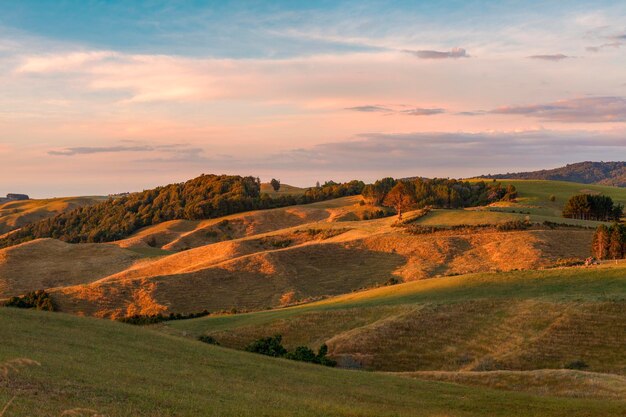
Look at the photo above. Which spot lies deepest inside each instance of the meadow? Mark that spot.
(85, 366)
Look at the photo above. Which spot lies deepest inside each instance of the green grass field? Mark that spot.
(96, 367)
(517, 321)
(534, 195)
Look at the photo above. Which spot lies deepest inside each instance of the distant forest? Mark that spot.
(605, 173)
(205, 197)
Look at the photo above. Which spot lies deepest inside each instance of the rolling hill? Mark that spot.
(53, 364)
(605, 173)
(268, 258)
(15, 214)
(514, 321)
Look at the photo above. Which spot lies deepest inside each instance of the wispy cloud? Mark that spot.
(369, 109)
(578, 110)
(550, 57)
(398, 109)
(422, 112)
(433, 153)
(598, 48)
(176, 148)
(430, 54)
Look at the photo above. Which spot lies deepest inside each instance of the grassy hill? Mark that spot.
(49, 263)
(15, 214)
(285, 189)
(523, 320)
(81, 366)
(259, 259)
(606, 173)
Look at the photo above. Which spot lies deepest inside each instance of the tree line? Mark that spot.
(205, 197)
(403, 195)
(592, 207)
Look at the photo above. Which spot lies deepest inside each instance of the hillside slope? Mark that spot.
(306, 262)
(49, 263)
(606, 173)
(95, 367)
(15, 214)
(268, 258)
(508, 321)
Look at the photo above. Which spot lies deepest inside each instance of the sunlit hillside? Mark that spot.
(15, 214)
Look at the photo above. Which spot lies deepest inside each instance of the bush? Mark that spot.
(269, 346)
(144, 319)
(392, 281)
(578, 365)
(302, 354)
(208, 339)
(272, 346)
(39, 300)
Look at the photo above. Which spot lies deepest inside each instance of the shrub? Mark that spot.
(269, 346)
(392, 281)
(272, 346)
(144, 319)
(302, 354)
(577, 364)
(39, 300)
(306, 354)
(208, 339)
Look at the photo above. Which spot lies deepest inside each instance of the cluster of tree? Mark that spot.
(272, 346)
(439, 192)
(331, 189)
(609, 242)
(207, 196)
(511, 225)
(39, 300)
(607, 173)
(592, 207)
(144, 319)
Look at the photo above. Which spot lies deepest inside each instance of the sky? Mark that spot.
(100, 97)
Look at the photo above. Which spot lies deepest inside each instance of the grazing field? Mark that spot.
(49, 263)
(96, 367)
(535, 195)
(557, 382)
(284, 189)
(523, 320)
(270, 258)
(15, 214)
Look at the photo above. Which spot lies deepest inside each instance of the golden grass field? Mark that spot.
(251, 260)
(15, 214)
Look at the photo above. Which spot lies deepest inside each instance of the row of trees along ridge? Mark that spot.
(403, 195)
(208, 196)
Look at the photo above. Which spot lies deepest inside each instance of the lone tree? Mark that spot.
(401, 197)
(275, 184)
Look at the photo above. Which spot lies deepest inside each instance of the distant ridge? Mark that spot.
(588, 172)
